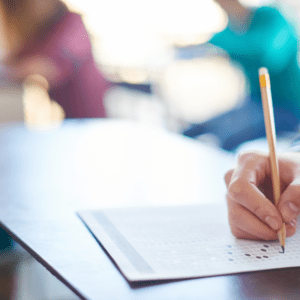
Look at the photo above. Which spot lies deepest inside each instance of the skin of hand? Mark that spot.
(251, 212)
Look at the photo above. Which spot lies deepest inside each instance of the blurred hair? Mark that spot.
(26, 21)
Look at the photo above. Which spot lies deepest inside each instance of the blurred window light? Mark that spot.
(136, 33)
(181, 17)
(189, 17)
(133, 76)
(185, 40)
(256, 3)
(199, 89)
(132, 49)
(132, 58)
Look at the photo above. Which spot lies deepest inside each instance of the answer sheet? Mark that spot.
(176, 242)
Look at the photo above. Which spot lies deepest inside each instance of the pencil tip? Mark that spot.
(282, 249)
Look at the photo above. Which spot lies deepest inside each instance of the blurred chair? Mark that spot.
(242, 124)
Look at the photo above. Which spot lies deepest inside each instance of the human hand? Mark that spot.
(252, 214)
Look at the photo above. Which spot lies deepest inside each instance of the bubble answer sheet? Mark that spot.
(177, 242)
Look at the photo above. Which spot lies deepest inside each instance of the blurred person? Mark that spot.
(45, 38)
(255, 38)
(263, 37)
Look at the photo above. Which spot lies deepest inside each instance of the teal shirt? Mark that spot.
(271, 42)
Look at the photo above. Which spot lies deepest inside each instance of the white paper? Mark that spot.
(155, 243)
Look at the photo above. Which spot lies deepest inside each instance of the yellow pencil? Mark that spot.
(265, 87)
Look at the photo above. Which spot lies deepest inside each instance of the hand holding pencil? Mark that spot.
(265, 86)
(264, 190)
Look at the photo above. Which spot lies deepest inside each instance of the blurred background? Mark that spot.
(163, 71)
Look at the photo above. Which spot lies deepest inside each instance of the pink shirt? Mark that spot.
(79, 87)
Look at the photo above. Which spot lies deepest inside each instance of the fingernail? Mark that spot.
(293, 207)
(289, 211)
(272, 222)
